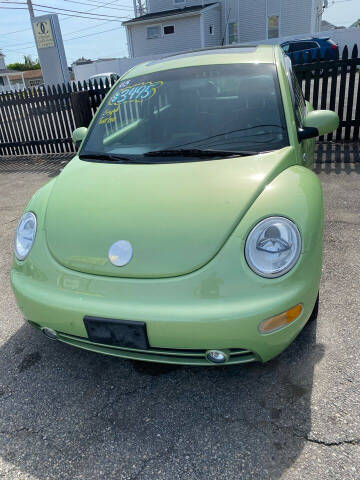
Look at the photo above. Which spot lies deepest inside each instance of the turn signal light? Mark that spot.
(279, 321)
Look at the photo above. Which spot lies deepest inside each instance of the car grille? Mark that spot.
(167, 355)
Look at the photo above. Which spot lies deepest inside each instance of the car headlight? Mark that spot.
(25, 235)
(273, 247)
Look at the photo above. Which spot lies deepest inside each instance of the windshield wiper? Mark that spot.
(195, 152)
(103, 156)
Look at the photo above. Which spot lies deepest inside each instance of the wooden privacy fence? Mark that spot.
(36, 121)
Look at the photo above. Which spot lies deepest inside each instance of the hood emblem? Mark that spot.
(120, 253)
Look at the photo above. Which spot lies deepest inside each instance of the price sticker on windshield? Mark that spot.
(135, 93)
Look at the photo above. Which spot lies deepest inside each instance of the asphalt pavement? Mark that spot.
(67, 414)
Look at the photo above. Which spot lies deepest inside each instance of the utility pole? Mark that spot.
(140, 8)
(31, 10)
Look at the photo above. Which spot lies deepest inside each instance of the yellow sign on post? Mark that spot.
(43, 34)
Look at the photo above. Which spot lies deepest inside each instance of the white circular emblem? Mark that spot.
(120, 253)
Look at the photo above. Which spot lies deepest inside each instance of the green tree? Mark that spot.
(28, 64)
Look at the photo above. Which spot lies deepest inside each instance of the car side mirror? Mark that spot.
(78, 136)
(317, 123)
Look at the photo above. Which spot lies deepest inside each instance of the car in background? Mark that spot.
(111, 77)
(315, 46)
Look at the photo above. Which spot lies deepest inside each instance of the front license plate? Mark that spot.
(119, 333)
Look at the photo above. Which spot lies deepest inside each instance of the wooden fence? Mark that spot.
(37, 121)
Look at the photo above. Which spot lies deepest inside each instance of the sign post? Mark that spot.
(50, 49)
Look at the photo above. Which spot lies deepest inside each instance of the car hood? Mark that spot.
(176, 216)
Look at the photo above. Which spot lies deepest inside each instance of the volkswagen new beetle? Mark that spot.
(188, 228)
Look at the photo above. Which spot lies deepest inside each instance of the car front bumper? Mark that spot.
(217, 307)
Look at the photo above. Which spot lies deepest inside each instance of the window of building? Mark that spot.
(233, 33)
(153, 32)
(211, 29)
(2, 83)
(35, 82)
(273, 26)
(169, 29)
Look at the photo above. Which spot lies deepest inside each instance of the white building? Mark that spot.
(9, 79)
(180, 25)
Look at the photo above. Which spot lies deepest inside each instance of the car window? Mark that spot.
(286, 48)
(296, 93)
(312, 45)
(296, 47)
(228, 107)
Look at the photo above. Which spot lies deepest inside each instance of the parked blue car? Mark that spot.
(314, 45)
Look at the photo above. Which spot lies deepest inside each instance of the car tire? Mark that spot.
(315, 311)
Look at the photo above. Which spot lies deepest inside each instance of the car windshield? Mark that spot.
(232, 108)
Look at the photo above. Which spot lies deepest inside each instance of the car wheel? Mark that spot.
(315, 311)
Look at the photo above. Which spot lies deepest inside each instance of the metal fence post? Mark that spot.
(81, 108)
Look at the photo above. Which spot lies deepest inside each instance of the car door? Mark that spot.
(301, 108)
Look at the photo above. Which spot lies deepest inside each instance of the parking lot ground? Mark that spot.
(74, 415)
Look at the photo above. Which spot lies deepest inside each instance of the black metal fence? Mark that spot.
(41, 121)
(334, 84)
(37, 121)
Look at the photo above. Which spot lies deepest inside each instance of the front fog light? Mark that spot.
(273, 247)
(279, 321)
(25, 235)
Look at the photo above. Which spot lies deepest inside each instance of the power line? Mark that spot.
(63, 9)
(67, 39)
(92, 34)
(78, 11)
(76, 16)
(64, 14)
(68, 18)
(101, 6)
(68, 15)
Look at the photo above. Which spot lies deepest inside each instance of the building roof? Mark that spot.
(29, 74)
(167, 13)
(325, 25)
(5, 71)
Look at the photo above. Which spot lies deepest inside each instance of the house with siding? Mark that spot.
(179, 25)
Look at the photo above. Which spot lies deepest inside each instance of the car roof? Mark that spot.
(210, 56)
(309, 39)
(102, 74)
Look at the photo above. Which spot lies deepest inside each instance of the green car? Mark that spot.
(188, 228)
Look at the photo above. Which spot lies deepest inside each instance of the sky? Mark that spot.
(17, 40)
(342, 12)
(100, 36)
